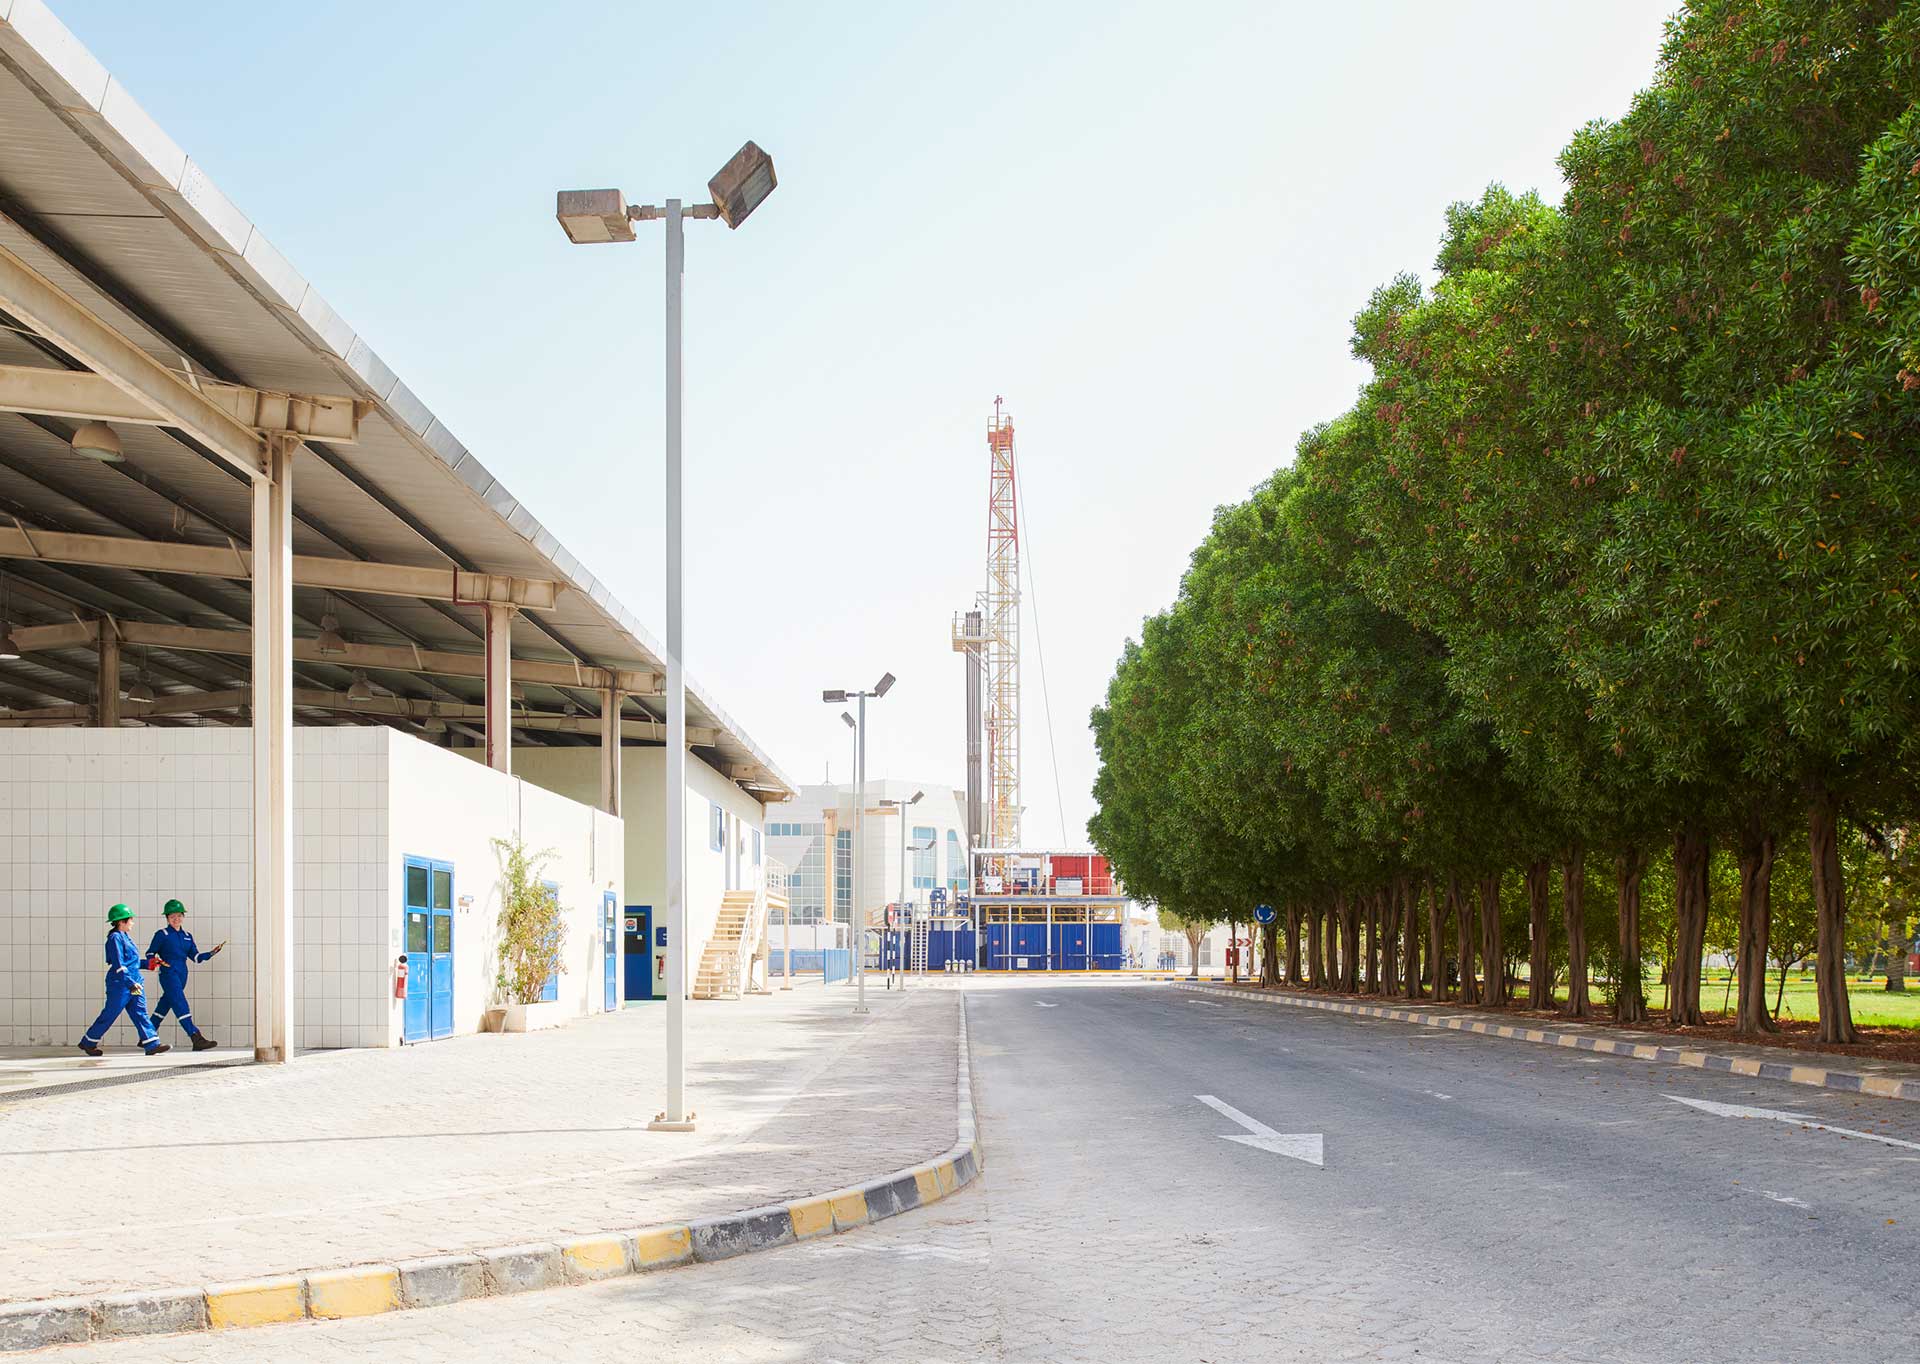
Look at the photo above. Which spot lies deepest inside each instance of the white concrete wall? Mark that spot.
(575, 773)
(90, 817)
(449, 809)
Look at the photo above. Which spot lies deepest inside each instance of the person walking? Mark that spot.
(172, 949)
(124, 991)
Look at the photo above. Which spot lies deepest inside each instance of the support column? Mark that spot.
(273, 756)
(499, 670)
(610, 751)
(106, 694)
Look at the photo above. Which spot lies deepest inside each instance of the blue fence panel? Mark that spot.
(835, 963)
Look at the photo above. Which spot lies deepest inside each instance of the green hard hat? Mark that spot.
(174, 907)
(117, 913)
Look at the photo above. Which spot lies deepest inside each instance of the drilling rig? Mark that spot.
(989, 635)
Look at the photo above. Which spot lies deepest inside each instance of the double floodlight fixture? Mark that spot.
(592, 216)
(835, 696)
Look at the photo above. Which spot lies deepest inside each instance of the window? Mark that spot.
(807, 890)
(956, 865)
(756, 847)
(716, 828)
(843, 875)
(925, 851)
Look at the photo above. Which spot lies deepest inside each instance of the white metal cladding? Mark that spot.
(96, 197)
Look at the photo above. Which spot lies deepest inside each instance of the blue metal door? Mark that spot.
(442, 950)
(417, 905)
(1069, 947)
(1029, 947)
(638, 954)
(427, 902)
(610, 947)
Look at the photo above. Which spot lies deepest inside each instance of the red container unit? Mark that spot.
(1089, 869)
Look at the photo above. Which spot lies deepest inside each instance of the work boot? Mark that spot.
(157, 1048)
(90, 1049)
(201, 1042)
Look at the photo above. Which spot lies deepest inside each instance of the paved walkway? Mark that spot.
(465, 1144)
(1822, 1070)
(1481, 1203)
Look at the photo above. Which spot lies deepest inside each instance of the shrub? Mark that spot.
(531, 930)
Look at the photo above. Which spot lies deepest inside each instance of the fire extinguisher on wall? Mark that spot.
(400, 978)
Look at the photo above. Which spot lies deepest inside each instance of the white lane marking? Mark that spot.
(1806, 1120)
(1042, 1005)
(1307, 1146)
(1436, 1094)
(1203, 1003)
(1791, 1202)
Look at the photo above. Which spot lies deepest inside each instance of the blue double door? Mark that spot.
(428, 906)
(610, 951)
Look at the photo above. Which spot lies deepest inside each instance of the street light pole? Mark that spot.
(903, 806)
(591, 217)
(839, 696)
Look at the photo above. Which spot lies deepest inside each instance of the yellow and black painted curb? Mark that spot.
(1820, 1077)
(370, 1289)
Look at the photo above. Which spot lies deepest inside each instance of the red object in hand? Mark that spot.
(152, 964)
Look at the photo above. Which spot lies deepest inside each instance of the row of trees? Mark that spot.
(1612, 564)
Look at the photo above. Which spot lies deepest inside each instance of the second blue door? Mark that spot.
(429, 935)
(610, 949)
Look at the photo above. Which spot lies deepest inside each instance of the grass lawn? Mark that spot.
(1872, 1005)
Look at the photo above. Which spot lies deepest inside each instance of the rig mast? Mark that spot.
(1002, 629)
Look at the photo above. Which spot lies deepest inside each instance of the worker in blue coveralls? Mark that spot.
(124, 991)
(172, 949)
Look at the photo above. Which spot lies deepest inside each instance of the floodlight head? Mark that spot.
(360, 689)
(592, 216)
(140, 693)
(844, 715)
(742, 184)
(98, 441)
(915, 800)
(834, 696)
(884, 685)
(330, 641)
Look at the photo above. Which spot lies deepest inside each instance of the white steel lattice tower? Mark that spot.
(1002, 629)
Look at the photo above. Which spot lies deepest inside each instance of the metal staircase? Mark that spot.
(739, 938)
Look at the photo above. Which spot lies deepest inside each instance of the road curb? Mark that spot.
(1817, 1077)
(437, 1281)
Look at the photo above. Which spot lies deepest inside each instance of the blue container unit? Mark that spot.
(943, 945)
(1024, 947)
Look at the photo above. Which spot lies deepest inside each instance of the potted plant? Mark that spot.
(531, 938)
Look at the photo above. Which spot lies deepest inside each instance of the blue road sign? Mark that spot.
(1263, 913)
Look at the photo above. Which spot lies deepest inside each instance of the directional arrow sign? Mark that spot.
(1806, 1120)
(1305, 1146)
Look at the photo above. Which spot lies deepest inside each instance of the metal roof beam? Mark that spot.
(78, 395)
(61, 319)
(231, 561)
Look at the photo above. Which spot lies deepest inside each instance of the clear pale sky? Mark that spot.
(1148, 226)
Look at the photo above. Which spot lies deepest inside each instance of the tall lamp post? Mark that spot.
(590, 217)
(853, 761)
(839, 697)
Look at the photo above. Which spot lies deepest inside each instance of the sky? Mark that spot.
(1147, 227)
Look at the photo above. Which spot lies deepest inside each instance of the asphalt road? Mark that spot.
(1481, 1199)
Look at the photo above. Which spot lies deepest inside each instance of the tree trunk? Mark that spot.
(1269, 956)
(1573, 910)
(1390, 942)
(1462, 942)
(1830, 905)
(1193, 952)
(1293, 944)
(1756, 853)
(1436, 950)
(1540, 940)
(1410, 976)
(1493, 942)
(1629, 995)
(1316, 958)
(1691, 849)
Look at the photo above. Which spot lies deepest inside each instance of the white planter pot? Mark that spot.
(531, 1017)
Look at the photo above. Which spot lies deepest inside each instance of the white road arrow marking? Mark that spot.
(1306, 1146)
(1046, 1006)
(1806, 1120)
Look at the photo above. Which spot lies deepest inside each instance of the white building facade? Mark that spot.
(912, 847)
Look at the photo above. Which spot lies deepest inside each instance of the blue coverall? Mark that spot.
(175, 947)
(123, 975)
